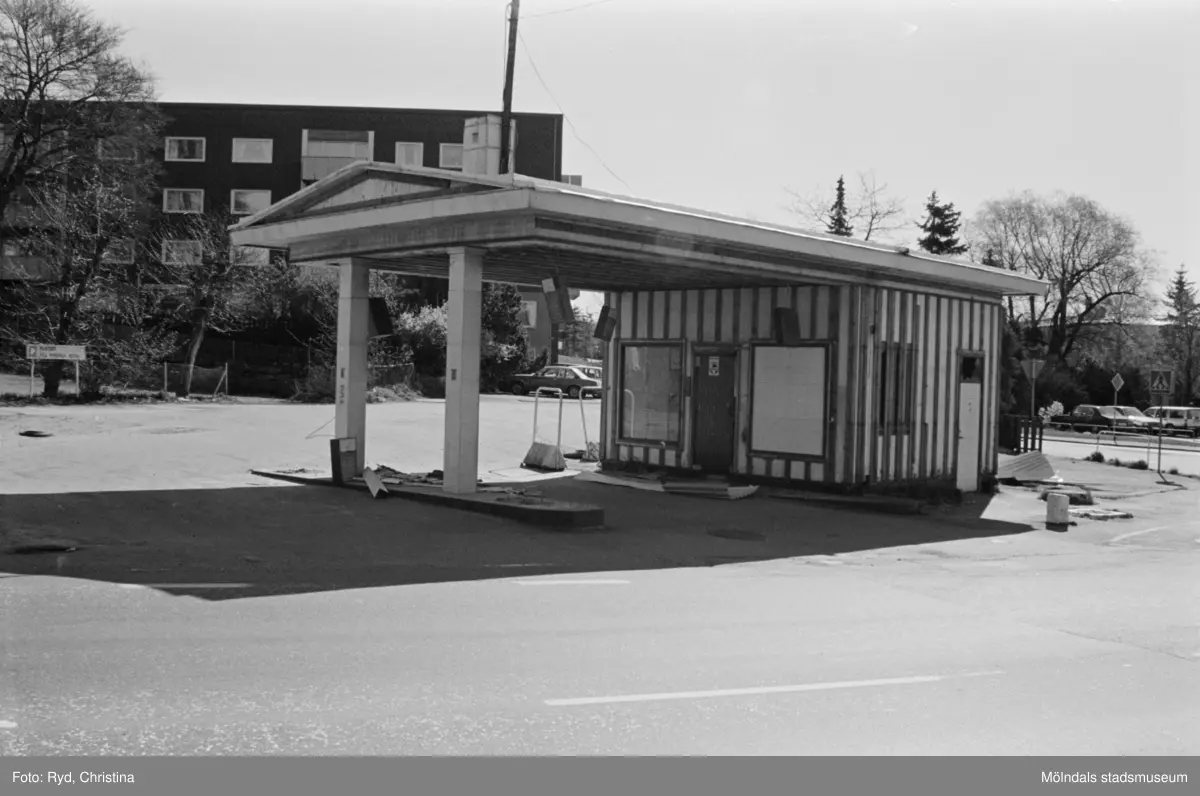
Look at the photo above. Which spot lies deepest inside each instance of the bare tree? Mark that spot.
(63, 89)
(870, 209)
(82, 226)
(1092, 259)
(219, 285)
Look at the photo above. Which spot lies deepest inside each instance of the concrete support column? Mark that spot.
(353, 319)
(463, 328)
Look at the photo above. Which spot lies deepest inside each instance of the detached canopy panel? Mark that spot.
(788, 411)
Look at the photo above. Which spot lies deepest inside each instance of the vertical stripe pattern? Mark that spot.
(891, 418)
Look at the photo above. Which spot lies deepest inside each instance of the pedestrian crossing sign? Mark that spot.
(1161, 382)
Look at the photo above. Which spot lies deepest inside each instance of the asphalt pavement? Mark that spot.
(1028, 644)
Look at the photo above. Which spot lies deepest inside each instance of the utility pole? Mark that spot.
(506, 115)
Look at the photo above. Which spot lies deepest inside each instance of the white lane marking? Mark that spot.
(778, 689)
(8, 725)
(570, 582)
(184, 585)
(1132, 534)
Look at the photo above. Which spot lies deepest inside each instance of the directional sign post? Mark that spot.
(1032, 368)
(1162, 384)
(1117, 383)
(68, 353)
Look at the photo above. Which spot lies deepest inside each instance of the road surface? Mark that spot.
(1019, 645)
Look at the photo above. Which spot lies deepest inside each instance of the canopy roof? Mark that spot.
(407, 218)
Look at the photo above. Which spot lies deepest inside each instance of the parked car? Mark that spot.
(1088, 417)
(572, 380)
(1138, 419)
(1175, 419)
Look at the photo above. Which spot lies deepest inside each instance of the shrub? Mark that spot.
(1140, 464)
(1096, 456)
(1115, 462)
(1173, 471)
(1047, 412)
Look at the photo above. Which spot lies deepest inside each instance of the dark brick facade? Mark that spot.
(538, 151)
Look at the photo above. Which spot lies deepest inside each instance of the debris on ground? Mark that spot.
(1077, 494)
(1027, 467)
(1101, 514)
(374, 482)
(711, 489)
(34, 433)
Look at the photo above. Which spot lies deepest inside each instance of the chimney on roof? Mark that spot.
(481, 145)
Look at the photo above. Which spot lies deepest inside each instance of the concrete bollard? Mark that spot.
(1058, 509)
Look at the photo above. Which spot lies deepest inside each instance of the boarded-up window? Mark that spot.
(897, 388)
(788, 412)
(651, 392)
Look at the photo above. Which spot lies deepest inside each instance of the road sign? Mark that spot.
(1032, 367)
(714, 366)
(1162, 382)
(70, 353)
(1118, 382)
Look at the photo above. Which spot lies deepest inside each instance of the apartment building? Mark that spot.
(245, 157)
(242, 158)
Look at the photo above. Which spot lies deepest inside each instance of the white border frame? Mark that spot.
(167, 148)
(233, 211)
(233, 150)
(183, 212)
(420, 156)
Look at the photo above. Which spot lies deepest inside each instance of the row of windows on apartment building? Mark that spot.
(189, 149)
(172, 252)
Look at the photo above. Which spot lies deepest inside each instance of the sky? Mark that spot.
(729, 106)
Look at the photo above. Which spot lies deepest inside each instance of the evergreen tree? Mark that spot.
(941, 228)
(837, 223)
(1181, 334)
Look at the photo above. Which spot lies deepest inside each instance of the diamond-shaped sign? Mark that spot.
(1118, 382)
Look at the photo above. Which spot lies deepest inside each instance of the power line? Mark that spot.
(566, 118)
(568, 10)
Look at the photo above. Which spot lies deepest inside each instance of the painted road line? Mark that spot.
(596, 582)
(777, 689)
(1132, 534)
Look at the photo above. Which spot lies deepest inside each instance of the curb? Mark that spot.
(554, 514)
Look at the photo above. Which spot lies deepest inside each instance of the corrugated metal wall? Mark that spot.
(856, 322)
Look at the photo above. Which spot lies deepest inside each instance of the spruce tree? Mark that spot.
(941, 228)
(1181, 334)
(837, 223)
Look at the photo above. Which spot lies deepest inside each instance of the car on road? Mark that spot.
(1176, 419)
(1138, 419)
(573, 380)
(1089, 417)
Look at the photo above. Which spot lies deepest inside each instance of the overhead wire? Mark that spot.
(568, 10)
(537, 73)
